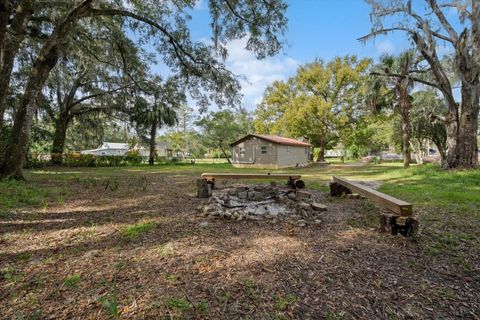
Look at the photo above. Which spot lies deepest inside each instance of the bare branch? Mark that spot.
(443, 20)
(401, 76)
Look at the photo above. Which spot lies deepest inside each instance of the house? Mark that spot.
(164, 149)
(269, 151)
(114, 149)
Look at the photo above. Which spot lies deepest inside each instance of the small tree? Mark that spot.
(158, 110)
(395, 73)
(317, 103)
(221, 128)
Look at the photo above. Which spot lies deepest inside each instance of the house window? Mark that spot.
(242, 152)
(263, 149)
(306, 150)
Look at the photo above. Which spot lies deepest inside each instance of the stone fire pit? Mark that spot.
(260, 202)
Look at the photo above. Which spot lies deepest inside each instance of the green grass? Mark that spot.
(137, 229)
(72, 280)
(178, 303)
(18, 193)
(282, 302)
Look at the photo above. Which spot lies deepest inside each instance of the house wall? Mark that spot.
(277, 156)
(253, 155)
(290, 156)
(106, 152)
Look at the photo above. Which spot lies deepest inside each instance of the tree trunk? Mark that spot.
(153, 135)
(467, 149)
(226, 156)
(10, 42)
(405, 110)
(321, 154)
(61, 125)
(16, 152)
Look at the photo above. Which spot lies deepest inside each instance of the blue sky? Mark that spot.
(316, 29)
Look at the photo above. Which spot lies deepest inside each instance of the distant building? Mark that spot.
(164, 149)
(114, 149)
(269, 151)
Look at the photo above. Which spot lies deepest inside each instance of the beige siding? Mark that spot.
(290, 156)
(277, 156)
(253, 153)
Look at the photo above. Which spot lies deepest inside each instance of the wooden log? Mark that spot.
(204, 189)
(395, 205)
(212, 176)
(406, 226)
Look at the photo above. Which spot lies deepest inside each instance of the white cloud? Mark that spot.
(385, 47)
(258, 74)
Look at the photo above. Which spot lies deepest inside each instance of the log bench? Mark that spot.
(400, 217)
(208, 180)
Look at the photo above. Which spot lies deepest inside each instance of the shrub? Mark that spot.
(133, 157)
(75, 159)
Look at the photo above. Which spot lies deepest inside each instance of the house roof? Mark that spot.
(113, 145)
(274, 139)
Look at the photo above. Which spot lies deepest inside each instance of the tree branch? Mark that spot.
(395, 75)
(443, 20)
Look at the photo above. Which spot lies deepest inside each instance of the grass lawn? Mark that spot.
(129, 242)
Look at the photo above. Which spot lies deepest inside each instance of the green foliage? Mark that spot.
(137, 229)
(75, 159)
(10, 274)
(221, 128)
(133, 157)
(72, 280)
(110, 304)
(178, 303)
(34, 315)
(283, 302)
(16, 193)
(202, 306)
(318, 103)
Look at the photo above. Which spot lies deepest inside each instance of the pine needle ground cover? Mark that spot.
(129, 243)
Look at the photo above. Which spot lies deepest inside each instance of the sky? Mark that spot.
(316, 29)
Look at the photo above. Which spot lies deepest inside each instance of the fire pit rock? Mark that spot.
(264, 202)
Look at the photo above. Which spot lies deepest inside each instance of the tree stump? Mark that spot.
(204, 189)
(337, 190)
(406, 226)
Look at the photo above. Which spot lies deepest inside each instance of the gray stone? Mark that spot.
(300, 194)
(243, 195)
(303, 205)
(317, 221)
(232, 191)
(291, 196)
(255, 195)
(301, 223)
(209, 208)
(204, 224)
(319, 207)
(255, 218)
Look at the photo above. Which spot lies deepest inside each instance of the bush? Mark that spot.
(109, 161)
(75, 159)
(133, 157)
(36, 160)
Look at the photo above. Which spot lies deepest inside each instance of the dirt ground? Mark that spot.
(138, 248)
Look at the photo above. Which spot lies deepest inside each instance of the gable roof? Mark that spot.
(114, 145)
(274, 139)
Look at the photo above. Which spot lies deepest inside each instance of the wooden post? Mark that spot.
(204, 190)
(337, 190)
